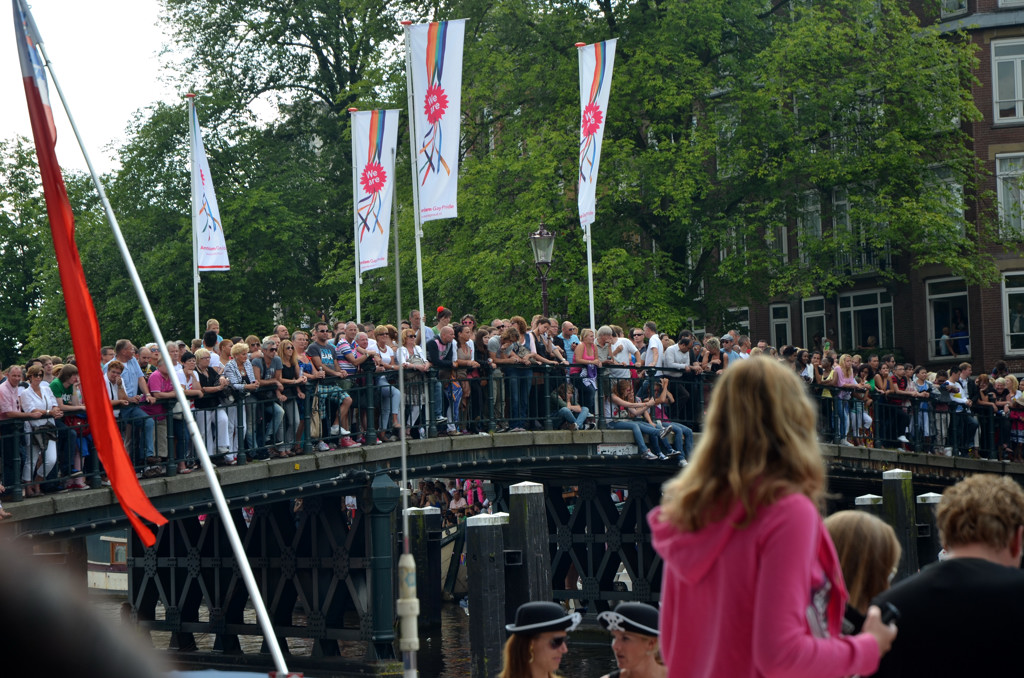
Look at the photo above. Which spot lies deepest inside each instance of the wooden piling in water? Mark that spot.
(528, 534)
(899, 510)
(485, 558)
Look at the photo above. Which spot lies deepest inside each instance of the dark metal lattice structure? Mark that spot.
(319, 565)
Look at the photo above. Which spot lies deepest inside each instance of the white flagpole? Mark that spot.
(428, 413)
(195, 210)
(355, 216)
(197, 438)
(408, 603)
(590, 274)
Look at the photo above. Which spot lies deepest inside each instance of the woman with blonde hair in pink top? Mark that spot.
(751, 583)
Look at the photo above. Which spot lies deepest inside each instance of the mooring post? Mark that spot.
(928, 532)
(425, 547)
(528, 534)
(384, 494)
(485, 558)
(870, 503)
(898, 509)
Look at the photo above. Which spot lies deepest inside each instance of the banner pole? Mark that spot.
(195, 210)
(590, 275)
(238, 550)
(418, 224)
(355, 216)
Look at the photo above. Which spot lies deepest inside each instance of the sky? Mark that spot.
(106, 57)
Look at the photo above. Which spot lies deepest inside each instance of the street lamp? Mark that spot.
(542, 242)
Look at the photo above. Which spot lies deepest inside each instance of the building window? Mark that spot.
(698, 331)
(948, 319)
(1013, 312)
(865, 320)
(808, 224)
(781, 334)
(953, 7)
(1010, 3)
(1009, 172)
(814, 322)
(738, 318)
(1007, 73)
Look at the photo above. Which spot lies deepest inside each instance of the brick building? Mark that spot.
(983, 324)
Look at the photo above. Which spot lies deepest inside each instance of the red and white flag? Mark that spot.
(596, 63)
(434, 57)
(374, 138)
(85, 330)
(209, 231)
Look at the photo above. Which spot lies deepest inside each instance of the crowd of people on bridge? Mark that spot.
(337, 386)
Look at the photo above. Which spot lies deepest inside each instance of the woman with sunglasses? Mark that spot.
(634, 629)
(538, 641)
(293, 379)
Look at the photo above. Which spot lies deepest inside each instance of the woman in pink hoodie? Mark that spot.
(751, 583)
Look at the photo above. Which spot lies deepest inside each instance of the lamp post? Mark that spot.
(542, 242)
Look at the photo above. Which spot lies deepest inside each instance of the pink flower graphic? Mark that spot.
(373, 178)
(435, 103)
(592, 119)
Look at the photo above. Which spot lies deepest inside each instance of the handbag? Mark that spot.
(315, 422)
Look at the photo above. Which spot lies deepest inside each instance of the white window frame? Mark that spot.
(929, 298)
(786, 322)
(808, 222)
(1006, 291)
(960, 8)
(805, 315)
(878, 305)
(1018, 76)
(1010, 224)
(743, 325)
(1011, 3)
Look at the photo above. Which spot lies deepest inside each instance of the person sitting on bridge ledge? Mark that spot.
(959, 616)
(751, 584)
(574, 416)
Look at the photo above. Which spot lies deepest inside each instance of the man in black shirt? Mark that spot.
(962, 616)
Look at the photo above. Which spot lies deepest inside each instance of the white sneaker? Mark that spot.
(846, 443)
(335, 430)
(649, 455)
(322, 446)
(903, 439)
(948, 451)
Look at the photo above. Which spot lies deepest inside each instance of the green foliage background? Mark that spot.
(725, 115)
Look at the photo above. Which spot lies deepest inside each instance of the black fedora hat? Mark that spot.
(632, 618)
(541, 617)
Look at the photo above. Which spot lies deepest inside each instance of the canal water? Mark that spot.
(446, 655)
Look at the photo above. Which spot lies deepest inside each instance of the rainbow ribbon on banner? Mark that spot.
(435, 101)
(588, 149)
(373, 178)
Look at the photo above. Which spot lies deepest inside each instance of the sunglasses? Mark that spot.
(467, 322)
(637, 335)
(558, 642)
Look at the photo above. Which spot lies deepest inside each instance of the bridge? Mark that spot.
(328, 573)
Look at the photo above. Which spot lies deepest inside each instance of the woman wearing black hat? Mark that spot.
(634, 629)
(538, 640)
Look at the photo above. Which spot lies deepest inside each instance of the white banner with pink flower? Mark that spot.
(595, 82)
(435, 60)
(374, 137)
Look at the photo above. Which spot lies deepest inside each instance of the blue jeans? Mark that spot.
(143, 426)
(273, 415)
(639, 428)
(682, 437)
(519, 379)
(573, 418)
(842, 417)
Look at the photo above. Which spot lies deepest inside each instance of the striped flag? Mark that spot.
(435, 60)
(595, 83)
(85, 330)
(374, 138)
